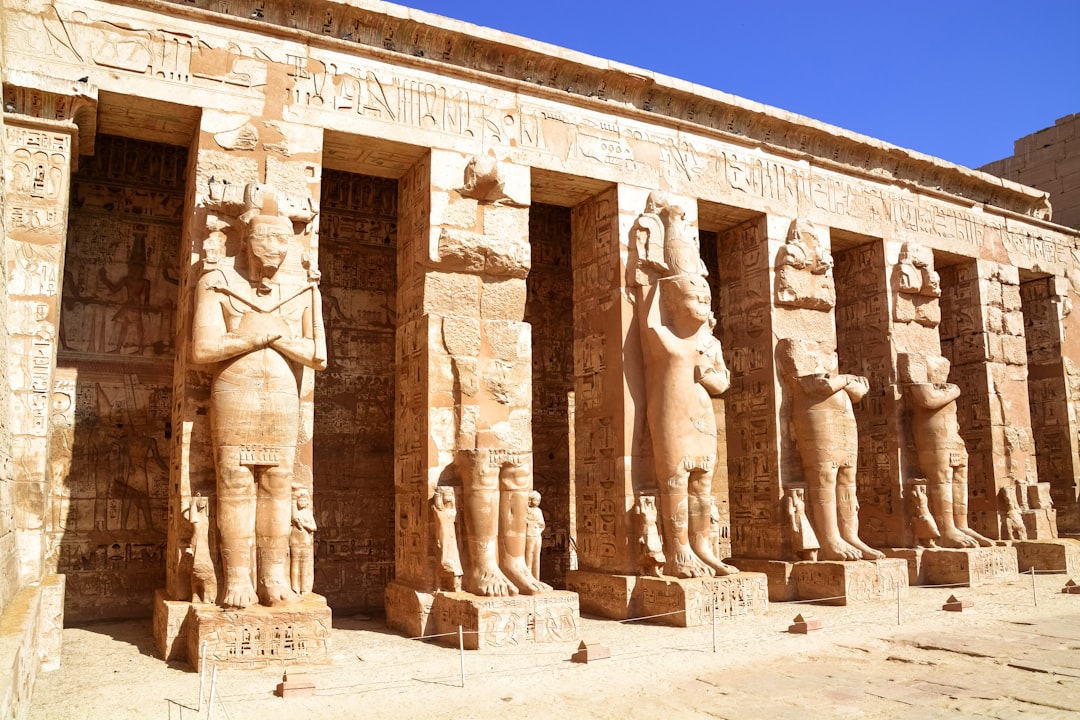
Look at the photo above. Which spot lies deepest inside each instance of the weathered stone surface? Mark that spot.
(692, 602)
(1061, 556)
(967, 566)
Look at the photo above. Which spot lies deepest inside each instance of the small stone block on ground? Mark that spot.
(968, 566)
(491, 622)
(803, 624)
(955, 605)
(689, 602)
(1061, 555)
(260, 636)
(844, 583)
(296, 686)
(1071, 588)
(587, 654)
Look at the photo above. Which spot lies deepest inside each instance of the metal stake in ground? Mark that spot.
(461, 650)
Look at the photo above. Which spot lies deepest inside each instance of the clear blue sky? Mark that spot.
(959, 79)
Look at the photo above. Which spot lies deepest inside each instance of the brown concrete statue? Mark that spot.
(448, 557)
(203, 576)
(684, 368)
(258, 328)
(534, 534)
(302, 544)
(804, 270)
(923, 526)
(827, 438)
(804, 543)
(650, 547)
(941, 451)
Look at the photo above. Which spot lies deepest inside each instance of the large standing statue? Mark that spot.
(684, 369)
(828, 442)
(259, 327)
(941, 451)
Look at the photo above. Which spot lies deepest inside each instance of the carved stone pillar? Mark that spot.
(1052, 330)
(41, 147)
(269, 170)
(982, 332)
(463, 428)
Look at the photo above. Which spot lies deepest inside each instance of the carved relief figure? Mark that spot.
(923, 525)
(444, 518)
(804, 270)
(259, 328)
(941, 451)
(1012, 519)
(684, 370)
(804, 543)
(203, 575)
(534, 534)
(918, 287)
(136, 288)
(650, 548)
(302, 544)
(827, 438)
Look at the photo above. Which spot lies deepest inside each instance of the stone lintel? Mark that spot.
(255, 637)
(843, 583)
(1057, 556)
(487, 622)
(621, 597)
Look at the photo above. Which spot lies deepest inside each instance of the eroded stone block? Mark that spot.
(1048, 555)
(968, 566)
(845, 583)
(689, 603)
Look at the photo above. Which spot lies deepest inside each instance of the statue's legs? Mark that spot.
(682, 562)
(699, 508)
(301, 569)
(515, 482)
(821, 496)
(939, 495)
(236, 526)
(847, 506)
(273, 520)
(480, 491)
(960, 504)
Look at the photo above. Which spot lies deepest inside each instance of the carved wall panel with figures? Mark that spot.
(354, 397)
(549, 308)
(111, 404)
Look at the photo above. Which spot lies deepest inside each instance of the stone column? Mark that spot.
(982, 332)
(1052, 330)
(235, 165)
(464, 405)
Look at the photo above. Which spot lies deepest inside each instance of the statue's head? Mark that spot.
(687, 298)
(201, 502)
(800, 358)
(444, 497)
(937, 369)
(266, 241)
(303, 498)
(534, 499)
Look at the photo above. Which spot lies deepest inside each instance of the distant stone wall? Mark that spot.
(1048, 160)
(9, 556)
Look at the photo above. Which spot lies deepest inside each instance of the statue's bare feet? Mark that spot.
(238, 590)
(980, 539)
(490, 582)
(705, 553)
(519, 575)
(957, 539)
(683, 563)
(867, 552)
(839, 550)
(277, 593)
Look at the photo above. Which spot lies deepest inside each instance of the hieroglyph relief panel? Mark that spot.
(344, 90)
(112, 400)
(354, 397)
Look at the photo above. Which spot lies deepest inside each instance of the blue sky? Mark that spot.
(960, 79)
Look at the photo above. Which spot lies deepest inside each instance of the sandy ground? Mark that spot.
(1004, 658)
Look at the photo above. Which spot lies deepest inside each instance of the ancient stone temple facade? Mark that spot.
(333, 305)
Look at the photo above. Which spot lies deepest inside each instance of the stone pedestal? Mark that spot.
(1062, 556)
(254, 637)
(621, 597)
(486, 622)
(968, 566)
(845, 583)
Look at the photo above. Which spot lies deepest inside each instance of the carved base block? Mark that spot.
(845, 583)
(967, 566)
(1062, 556)
(253, 637)
(689, 603)
(486, 622)
(620, 597)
